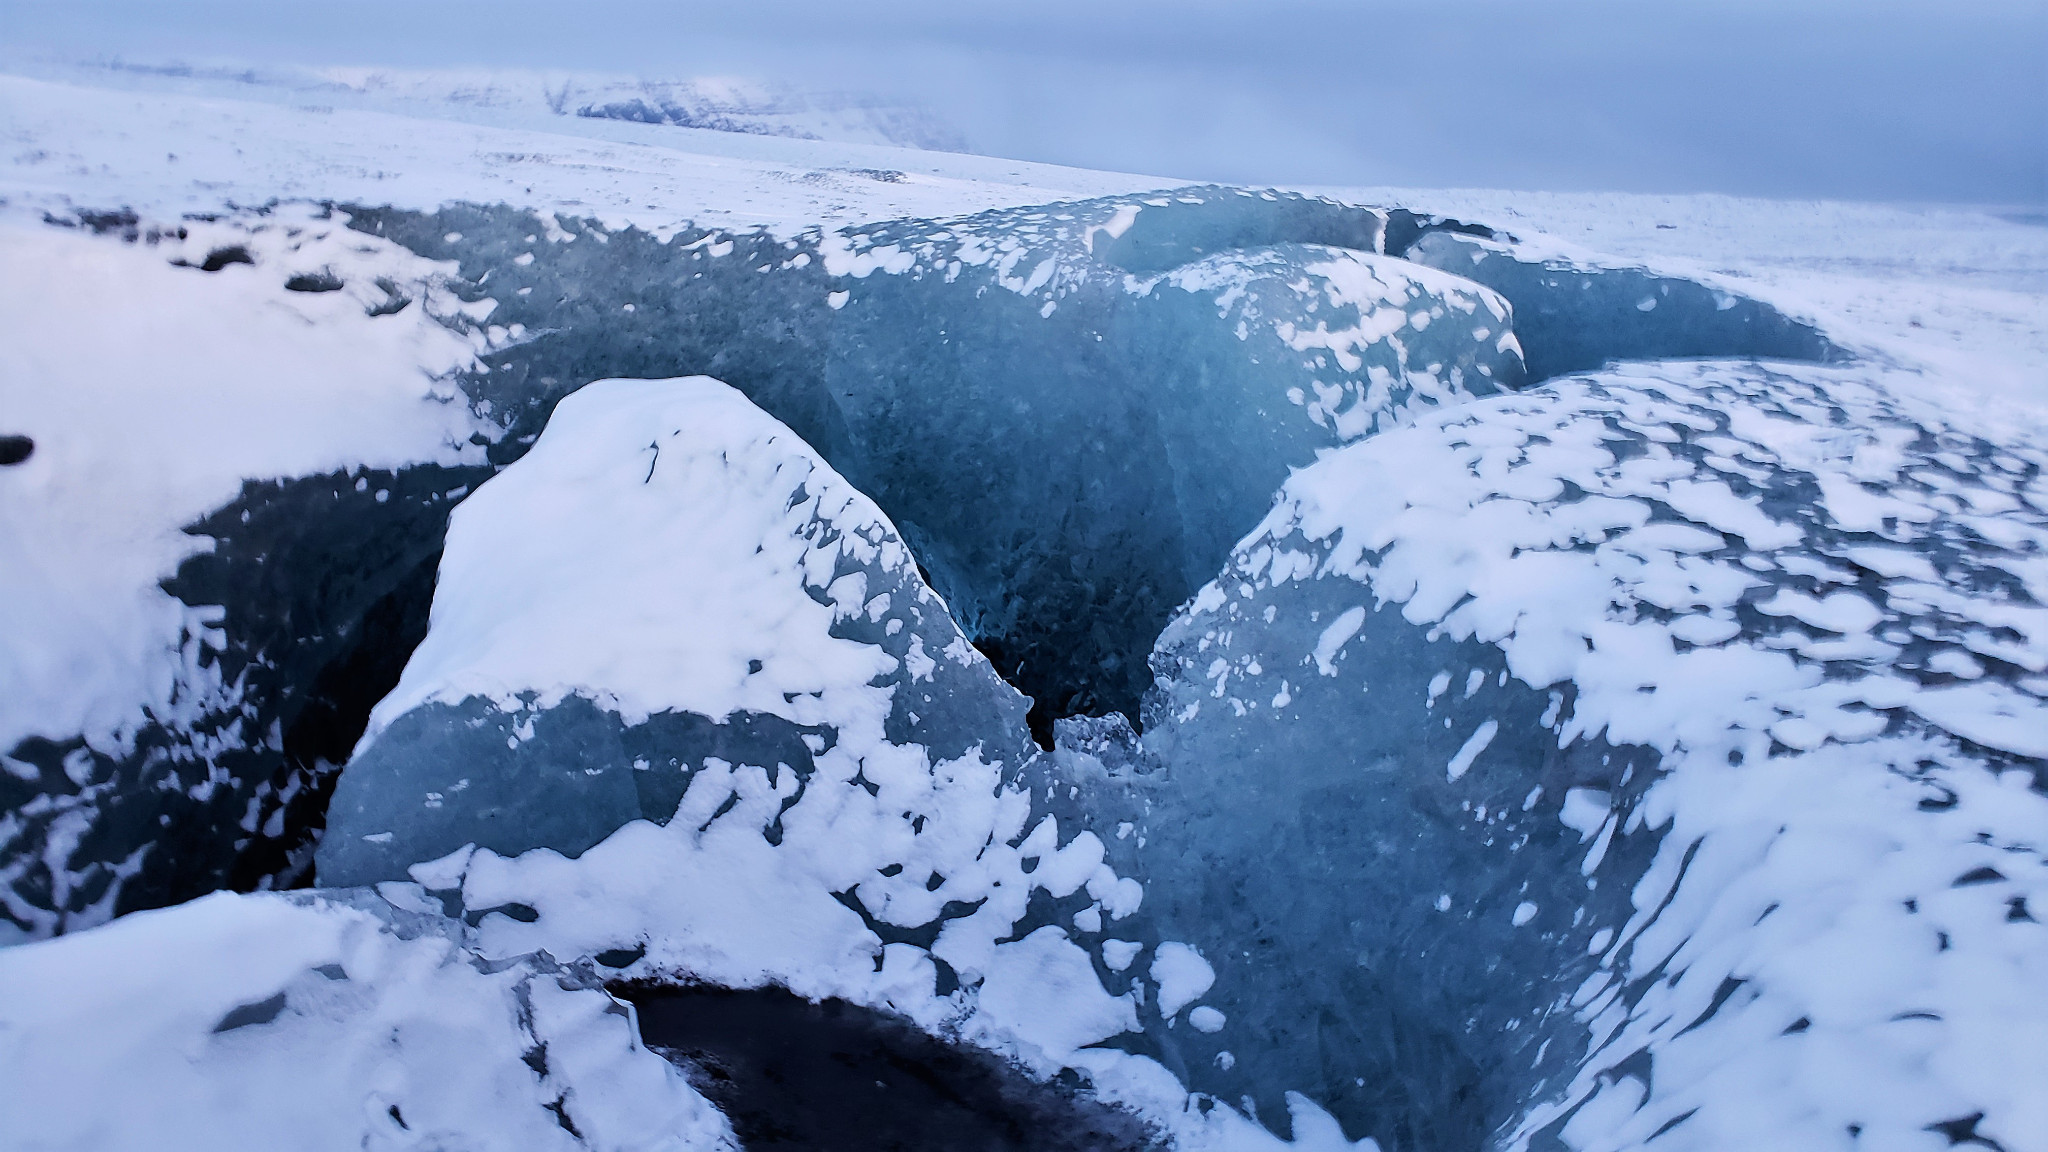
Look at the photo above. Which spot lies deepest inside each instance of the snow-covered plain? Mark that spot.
(1815, 595)
(160, 150)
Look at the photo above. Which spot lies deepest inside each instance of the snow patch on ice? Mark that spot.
(205, 1021)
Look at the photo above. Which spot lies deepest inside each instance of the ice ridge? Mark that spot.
(1563, 767)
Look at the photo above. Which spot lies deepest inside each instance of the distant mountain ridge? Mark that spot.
(716, 103)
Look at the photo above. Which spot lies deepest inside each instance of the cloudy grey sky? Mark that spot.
(1942, 100)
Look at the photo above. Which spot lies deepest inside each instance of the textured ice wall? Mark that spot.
(1113, 390)
(1649, 758)
(1572, 316)
(331, 1021)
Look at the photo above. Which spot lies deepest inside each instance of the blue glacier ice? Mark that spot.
(1573, 316)
(1552, 769)
(1115, 388)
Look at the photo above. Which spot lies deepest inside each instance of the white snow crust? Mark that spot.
(646, 548)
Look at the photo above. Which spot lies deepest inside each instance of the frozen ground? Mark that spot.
(1836, 945)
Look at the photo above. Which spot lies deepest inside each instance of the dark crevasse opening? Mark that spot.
(1047, 711)
(331, 719)
(831, 1076)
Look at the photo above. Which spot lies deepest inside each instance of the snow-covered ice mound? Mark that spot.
(1649, 758)
(669, 596)
(686, 710)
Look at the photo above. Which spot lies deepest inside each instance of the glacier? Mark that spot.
(1572, 318)
(1270, 669)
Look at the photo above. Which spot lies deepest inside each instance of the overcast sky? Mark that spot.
(1865, 99)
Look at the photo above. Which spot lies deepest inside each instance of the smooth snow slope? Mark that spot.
(162, 151)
